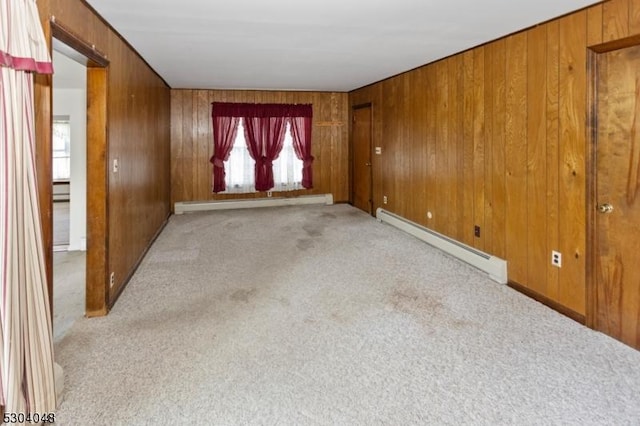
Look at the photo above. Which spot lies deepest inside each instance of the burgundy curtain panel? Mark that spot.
(224, 134)
(264, 127)
(265, 137)
(301, 135)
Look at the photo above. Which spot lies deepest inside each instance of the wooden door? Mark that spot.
(617, 221)
(361, 189)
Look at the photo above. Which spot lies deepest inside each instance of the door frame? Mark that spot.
(591, 170)
(97, 288)
(351, 154)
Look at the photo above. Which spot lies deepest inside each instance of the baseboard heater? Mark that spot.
(250, 203)
(494, 266)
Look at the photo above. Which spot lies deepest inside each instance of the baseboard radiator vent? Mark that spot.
(250, 203)
(494, 266)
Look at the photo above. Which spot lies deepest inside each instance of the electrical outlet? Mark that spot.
(429, 215)
(112, 279)
(269, 194)
(476, 231)
(378, 150)
(556, 258)
(116, 167)
(384, 199)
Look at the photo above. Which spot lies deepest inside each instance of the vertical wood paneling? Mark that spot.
(444, 190)
(479, 136)
(634, 17)
(594, 25)
(553, 154)
(515, 160)
(615, 19)
(467, 220)
(496, 168)
(489, 172)
(503, 143)
(192, 141)
(429, 115)
(572, 183)
(456, 146)
(203, 142)
(536, 159)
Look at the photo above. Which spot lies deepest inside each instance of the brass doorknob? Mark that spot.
(605, 208)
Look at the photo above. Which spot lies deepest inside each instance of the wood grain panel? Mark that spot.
(456, 146)
(192, 141)
(432, 180)
(515, 158)
(444, 191)
(490, 93)
(553, 154)
(97, 260)
(536, 159)
(594, 25)
(572, 179)
(479, 136)
(466, 221)
(496, 168)
(634, 17)
(138, 129)
(615, 19)
(511, 114)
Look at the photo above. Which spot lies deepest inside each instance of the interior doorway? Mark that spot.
(95, 68)
(361, 183)
(69, 166)
(616, 201)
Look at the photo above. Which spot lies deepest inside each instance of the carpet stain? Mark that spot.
(410, 301)
(243, 295)
(232, 225)
(284, 301)
(326, 215)
(304, 244)
(425, 308)
(339, 317)
(313, 230)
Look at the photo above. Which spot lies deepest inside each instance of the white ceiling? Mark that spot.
(336, 45)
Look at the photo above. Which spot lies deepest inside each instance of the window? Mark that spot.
(277, 135)
(239, 169)
(61, 150)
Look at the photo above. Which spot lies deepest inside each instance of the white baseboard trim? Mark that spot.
(495, 267)
(250, 203)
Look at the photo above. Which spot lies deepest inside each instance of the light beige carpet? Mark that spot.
(323, 316)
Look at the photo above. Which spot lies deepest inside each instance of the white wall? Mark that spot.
(73, 103)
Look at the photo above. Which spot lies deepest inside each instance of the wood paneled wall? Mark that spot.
(192, 141)
(496, 137)
(138, 129)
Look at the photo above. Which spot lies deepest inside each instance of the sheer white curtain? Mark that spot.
(239, 169)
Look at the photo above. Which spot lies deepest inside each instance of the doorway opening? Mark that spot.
(69, 167)
(77, 270)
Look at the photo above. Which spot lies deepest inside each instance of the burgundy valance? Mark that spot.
(228, 109)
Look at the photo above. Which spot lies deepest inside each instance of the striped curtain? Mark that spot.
(26, 350)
